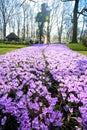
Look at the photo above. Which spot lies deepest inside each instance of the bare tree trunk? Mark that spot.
(75, 21)
(24, 25)
(1, 30)
(13, 25)
(27, 27)
(27, 31)
(60, 29)
(18, 27)
(41, 31)
(48, 33)
(82, 29)
(4, 31)
(6, 12)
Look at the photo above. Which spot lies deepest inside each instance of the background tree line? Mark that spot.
(65, 16)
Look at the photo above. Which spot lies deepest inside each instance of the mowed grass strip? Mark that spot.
(80, 48)
(83, 52)
(4, 48)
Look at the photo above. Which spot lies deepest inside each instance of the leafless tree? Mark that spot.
(76, 14)
(60, 24)
(7, 9)
(54, 13)
(18, 26)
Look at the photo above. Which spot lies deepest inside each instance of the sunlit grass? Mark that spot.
(4, 48)
(11, 45)
(77, 47)
(80, 48)
(83, 52)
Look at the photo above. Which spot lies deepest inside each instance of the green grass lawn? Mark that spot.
(80, 48)
(83, 52)
(4, 48)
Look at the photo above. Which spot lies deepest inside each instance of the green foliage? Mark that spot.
(11, 123)
(25, 88)
(12, 93)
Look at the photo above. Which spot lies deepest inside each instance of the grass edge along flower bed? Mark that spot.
(43, 87)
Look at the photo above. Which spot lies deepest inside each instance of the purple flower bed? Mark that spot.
(43, 87)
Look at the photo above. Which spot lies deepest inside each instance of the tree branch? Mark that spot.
(67, 0)
(25, 1)
(82, 12)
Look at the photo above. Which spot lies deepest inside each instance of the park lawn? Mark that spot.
(83, 52)
(4, 48)
(80, 48)
(77, 47)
